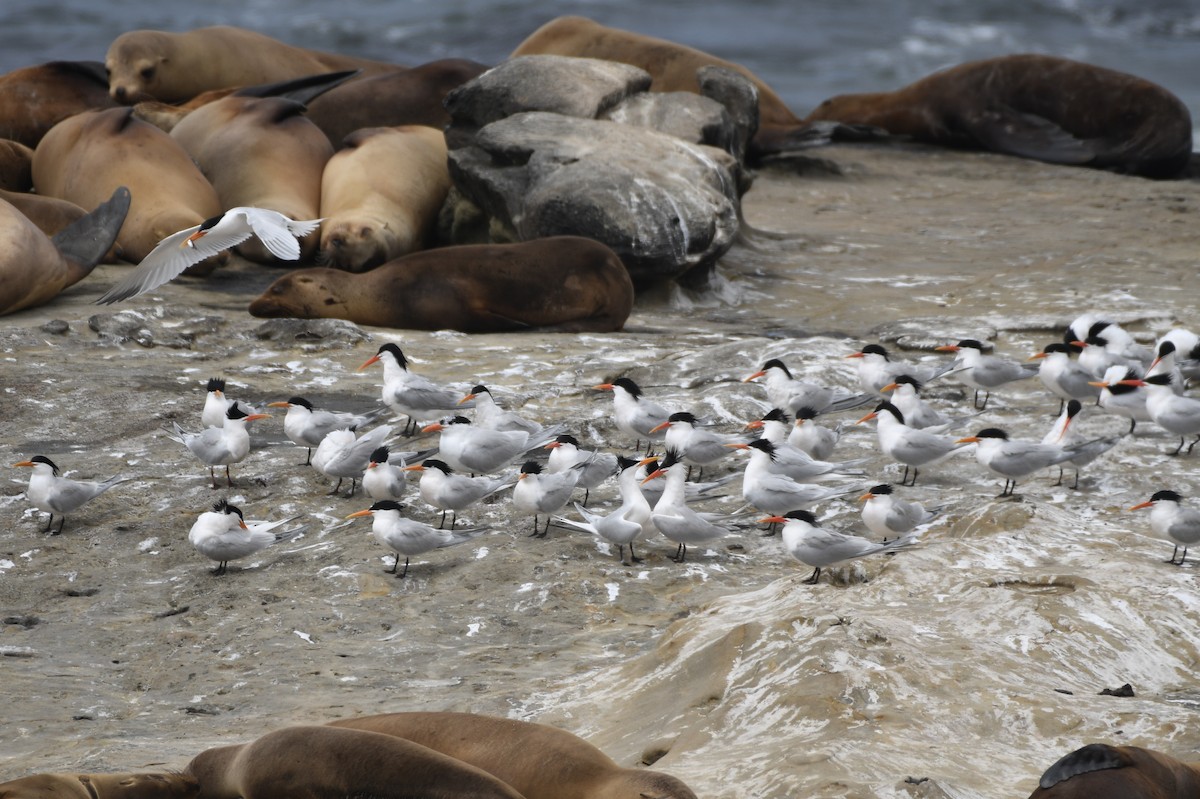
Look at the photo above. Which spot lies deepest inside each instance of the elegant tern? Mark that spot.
(1173, 521)
(307, 427)
(222, 534)
(806, 541)
(634, 415)
(982, 372)
(448, 491)
(50, 492)
(408, 393)
(409, 537)
(220, 446)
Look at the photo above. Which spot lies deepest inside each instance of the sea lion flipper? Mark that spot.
(1007, 130)
(1093, 757)
(86, 240)
(301, 90)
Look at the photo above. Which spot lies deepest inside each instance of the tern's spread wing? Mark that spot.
(274, 230)
(167, 261)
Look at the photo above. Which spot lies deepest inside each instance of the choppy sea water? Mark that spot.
(806, 51)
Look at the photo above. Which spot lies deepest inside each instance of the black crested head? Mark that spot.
(806, 413)
(874, 349)
(628, 385)
(682, 416)
(380, 455)
(223, 506)
(480, 389)
(235, 411)
(762, 445)
(567, 438)
(215, 384)
(301, 401)
(1060, 347)
(672, 457)
(1163, 379)
(1166, 348)
(395, 353)
(802, 515)
(992, 432)
(458, 420)
(908, 380)
(47, 461)
(971, 344)
(210, 223)
(1094, 333)
(652, 465)
(1073, 408)
(531, 467)
(434, 463)
(882, 488)
(776, 415)
(887, 407)
(387, 504)
(624, 463)
(775, 363)
(1167, 495)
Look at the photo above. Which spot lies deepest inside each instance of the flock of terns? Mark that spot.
(788, 467)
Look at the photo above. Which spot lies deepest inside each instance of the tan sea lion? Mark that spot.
(35, 268)
(540, 761)
(174, 67)
(35, 99)
(84, 158)
(381, 194)
(1100, 771)
(260, 152)
(564, 283)
(671, 66)
(1034, 106)
(332, 763)
(101, 786)
(16, 166)
(401, 97)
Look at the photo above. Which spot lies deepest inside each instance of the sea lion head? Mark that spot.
(133, 63)
(303, 294)
(356, 244)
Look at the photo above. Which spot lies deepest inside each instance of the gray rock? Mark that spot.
(327, 333)
(739, 97)
(665, 206)
(577, 87)
(148, 331)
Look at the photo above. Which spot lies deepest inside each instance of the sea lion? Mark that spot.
(381, 194)
(540, 761)
(672, 68)
(101, 786)
(35, 99)
(35, 268)
(401, 97)
(565, 283)
(331, 763)
(259, 152)
(50, 214)
(1100, 771)
(85, 157)
(1034, 106)
(175, 67)
(16, 166)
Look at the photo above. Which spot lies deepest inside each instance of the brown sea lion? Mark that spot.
(671, 66)
(1100, 771)
(35, 99)
(1034, 106)
(35, 268)
(101, 786)
(401, 97)
(260, 152)
(332, 763)
(540, 761)
(564, 283)
(174, 67)
(84, 158)
(16, 166)
(381, 194)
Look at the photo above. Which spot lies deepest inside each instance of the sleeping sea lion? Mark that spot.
(35, 99)
(1100, 771)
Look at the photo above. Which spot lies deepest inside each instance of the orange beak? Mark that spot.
(865, 497)
(256, 416)
(604, 387)
(433, 428)
(653, 474)
(1140, 505)
(867, 418)
(279, 404)
(890, 387)
(754, 376)
(370, 361)
(947, 348)
(416, 467)
(191, 240)
(968, 440)
(1036, 356)
(757, 423)
(773, 520)
(662, 426)
(467, 398)
(24, 463)
(356, 514)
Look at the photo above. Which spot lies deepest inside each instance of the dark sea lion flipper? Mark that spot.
(302, 90)
(86, 240)
(817, 133)
(1093, 757)
(1006, 130)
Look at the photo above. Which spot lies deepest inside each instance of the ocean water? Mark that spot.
(807, 51)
